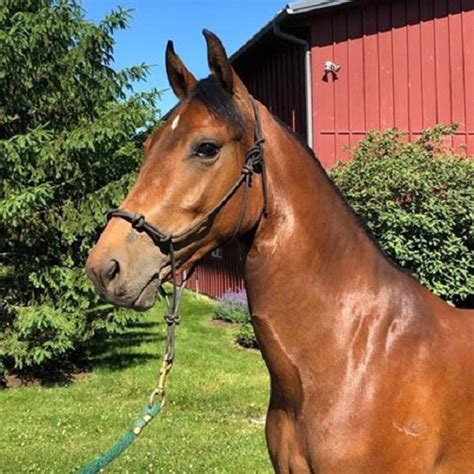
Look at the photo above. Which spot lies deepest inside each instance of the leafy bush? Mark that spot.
(418, 200)
(246, 336)
(232, 308)
(71, 135)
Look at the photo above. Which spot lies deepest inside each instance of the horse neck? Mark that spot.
(309, 265)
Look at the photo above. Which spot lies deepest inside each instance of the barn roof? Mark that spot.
(290, 10)
(306, 6)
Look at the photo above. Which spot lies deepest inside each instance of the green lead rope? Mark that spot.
(148, 413)
(152, 408)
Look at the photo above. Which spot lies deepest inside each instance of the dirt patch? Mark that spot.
(45, 378)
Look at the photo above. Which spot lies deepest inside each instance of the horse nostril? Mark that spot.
(110, 271)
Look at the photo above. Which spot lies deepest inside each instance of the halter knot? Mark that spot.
(254, 156)
(138, 222)
(172, 319)
(248, 169)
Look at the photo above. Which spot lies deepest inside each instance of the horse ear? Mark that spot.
(218, 62)
(180, 79)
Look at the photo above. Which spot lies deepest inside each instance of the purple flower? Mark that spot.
(234, 298)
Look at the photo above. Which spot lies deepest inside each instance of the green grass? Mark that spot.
(215, 391)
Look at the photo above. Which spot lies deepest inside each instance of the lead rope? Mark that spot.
(153, 407)
(172, 319)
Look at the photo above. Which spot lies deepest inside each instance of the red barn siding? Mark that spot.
(404, 64)
(218, 275)
(275, 76)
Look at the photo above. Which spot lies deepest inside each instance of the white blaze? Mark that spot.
(174, 123)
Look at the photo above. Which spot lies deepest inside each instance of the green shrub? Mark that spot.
(232, 308)
(71, 136)
(418, 201)
(231, 314)
(246, 336)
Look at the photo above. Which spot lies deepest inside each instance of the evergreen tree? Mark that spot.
(71, 135)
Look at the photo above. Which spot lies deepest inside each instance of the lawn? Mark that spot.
(217, 395)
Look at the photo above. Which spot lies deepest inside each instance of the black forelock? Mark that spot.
(218, 102)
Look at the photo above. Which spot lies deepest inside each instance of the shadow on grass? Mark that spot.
(124, 350)
(123, 361)
(138, 343)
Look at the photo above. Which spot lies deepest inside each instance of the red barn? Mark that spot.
(334, 69)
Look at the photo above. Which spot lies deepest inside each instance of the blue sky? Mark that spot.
(156, 21)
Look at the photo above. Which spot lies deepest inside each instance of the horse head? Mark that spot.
(187, 199)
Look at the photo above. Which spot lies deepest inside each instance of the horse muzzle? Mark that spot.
(129, 279)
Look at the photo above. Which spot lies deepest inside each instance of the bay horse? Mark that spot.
(370, 372)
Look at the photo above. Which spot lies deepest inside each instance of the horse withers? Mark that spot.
(370, 372)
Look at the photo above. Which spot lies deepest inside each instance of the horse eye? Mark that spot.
(207, 150)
